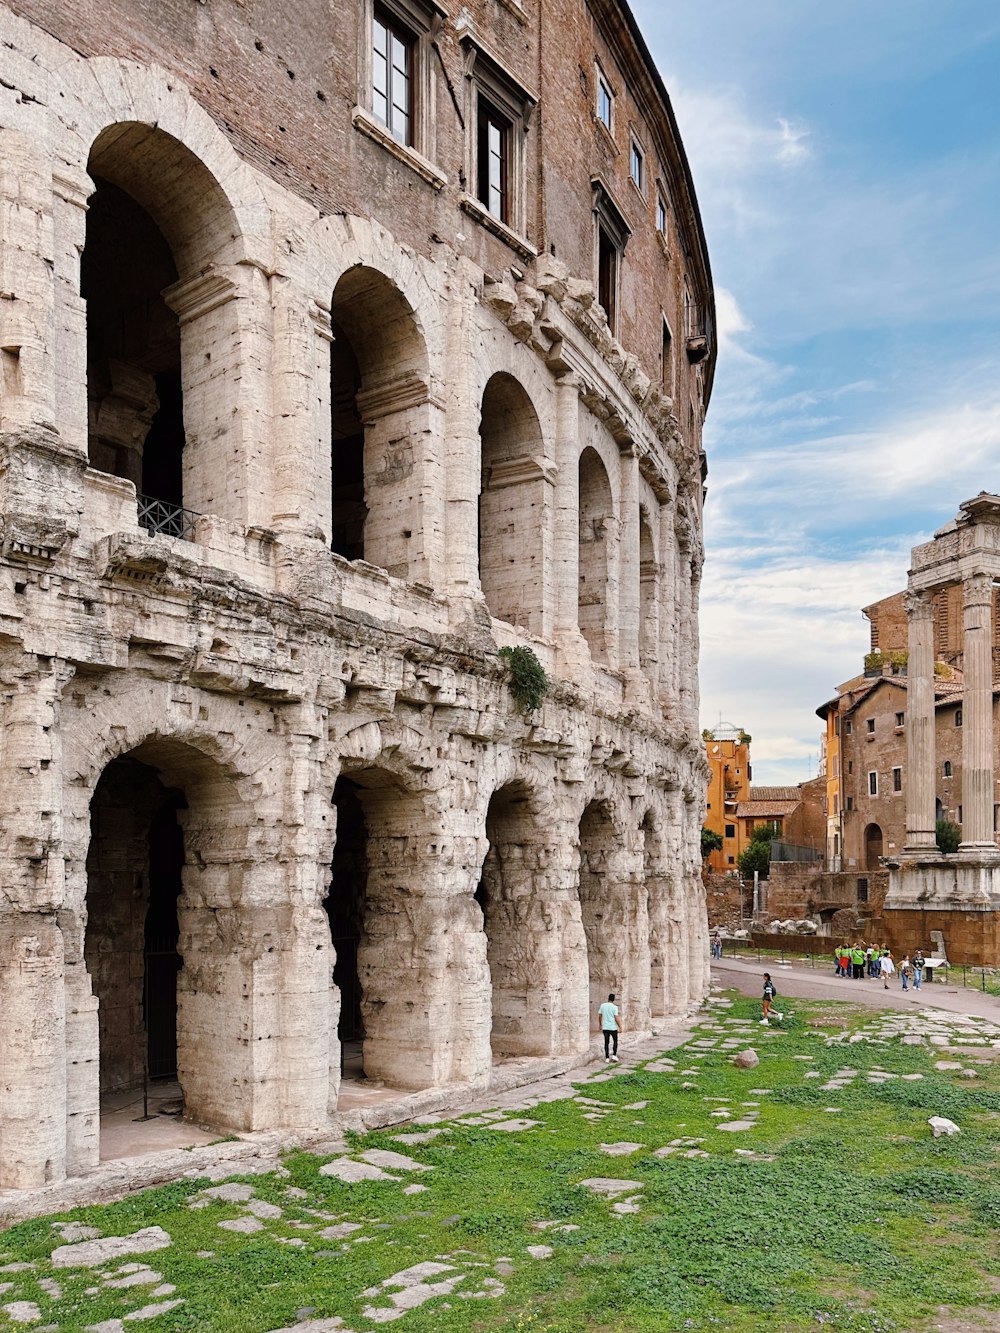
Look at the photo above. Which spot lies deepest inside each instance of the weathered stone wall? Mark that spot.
(515, 867)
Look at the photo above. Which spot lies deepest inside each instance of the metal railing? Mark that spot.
(157, 516)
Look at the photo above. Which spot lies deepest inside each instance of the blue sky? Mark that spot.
(847, 162)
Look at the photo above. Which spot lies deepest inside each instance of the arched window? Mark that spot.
(596, 515)
(514, 492)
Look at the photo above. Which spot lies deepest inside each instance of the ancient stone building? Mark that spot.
(341, 347)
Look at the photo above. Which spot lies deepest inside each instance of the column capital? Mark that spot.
(977, 589)
(919, 604)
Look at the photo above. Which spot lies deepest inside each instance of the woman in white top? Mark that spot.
(886, 970)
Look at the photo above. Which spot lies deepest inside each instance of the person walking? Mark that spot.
(886, 969)
(716, 945)
(918, 963)
(770, 991)
(607, 1022)
(904, 970)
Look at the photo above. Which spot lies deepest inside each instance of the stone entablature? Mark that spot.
(206, 738)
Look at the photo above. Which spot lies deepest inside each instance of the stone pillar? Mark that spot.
(566, 542)
(978, 788)
(301, 430)
(32, 1052)
(628, 562)
(226, 360)
(668, 611)
(463, 453)
(920, 768)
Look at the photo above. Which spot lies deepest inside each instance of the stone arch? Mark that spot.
(245, 919)
(536, 951)
(162, 267)
(515, 495)
(649, 599)
(873, 846)
(596, 520)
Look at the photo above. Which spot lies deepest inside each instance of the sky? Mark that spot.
(846, 159)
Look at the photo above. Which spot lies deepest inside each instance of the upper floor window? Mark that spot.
(947, 768)
(900, 719)
(637, 166)
(897, 779)
(848, 726)
(605, 101)
(871, 726)
(661, 213)
(493, 160)
(667, 362)
(393, 47)
(958, 717)
(499, 112)
(873, 784)
(612, 237)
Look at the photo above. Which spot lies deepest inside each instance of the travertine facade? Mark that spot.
(299, 425)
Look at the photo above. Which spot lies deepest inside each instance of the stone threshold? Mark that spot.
(256, 1153)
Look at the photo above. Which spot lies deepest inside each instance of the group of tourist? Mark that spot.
(858, 961)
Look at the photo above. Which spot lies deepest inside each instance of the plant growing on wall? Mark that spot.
(526, 678)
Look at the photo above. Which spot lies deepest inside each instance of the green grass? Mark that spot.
(861, 1222)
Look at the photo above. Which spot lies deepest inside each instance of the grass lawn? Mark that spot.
(833, 1206)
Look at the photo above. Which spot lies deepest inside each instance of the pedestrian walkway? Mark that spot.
(812, 984)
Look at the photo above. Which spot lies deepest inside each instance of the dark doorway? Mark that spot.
(347, 452)
(134, 870)
(345, 906)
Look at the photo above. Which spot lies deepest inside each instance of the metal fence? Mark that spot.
(986, 979)
(157, 516)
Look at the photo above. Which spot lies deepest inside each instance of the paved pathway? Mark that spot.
(821, 984)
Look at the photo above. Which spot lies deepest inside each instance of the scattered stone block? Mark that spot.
(619, 1149)
(748, 1059)
(343, 1168)
(90, 1253)
(942, 1125)
(395, 1161)
(246, 1225)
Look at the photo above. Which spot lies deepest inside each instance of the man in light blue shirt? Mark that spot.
(607, 1018)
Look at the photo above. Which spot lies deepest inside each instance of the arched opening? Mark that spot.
(596, 514)
(134, 396)
(514, 493)
(344, 907)
(162, 330)
(511, 904)
(649, 623)
(598, 844)
(873, 846)
(380, 935)
(379, 392)
(134, 871)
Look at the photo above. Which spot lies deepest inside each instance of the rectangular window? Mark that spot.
(730, 830)
(947, 768)
(862, 890)
(871, 726)
(605, 101)
(850, 765)
(607, 274)
(848, 727)
(897, 779)
(731, 860)
(637, 164)
(900, 719)
(836, 726)
(493, 153)
(392, 76)
(850, 803)
(958, 717)
(661, 214)
(667, 359)
(873, 783)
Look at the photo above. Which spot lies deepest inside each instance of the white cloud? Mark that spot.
(793, 146)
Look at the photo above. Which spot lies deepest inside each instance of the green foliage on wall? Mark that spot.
(527, 681)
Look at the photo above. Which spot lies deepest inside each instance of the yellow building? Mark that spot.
(728, 752)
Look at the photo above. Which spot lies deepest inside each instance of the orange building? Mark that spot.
(728, 752)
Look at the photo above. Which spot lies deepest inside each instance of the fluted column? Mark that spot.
(977, 734)
(920, 724)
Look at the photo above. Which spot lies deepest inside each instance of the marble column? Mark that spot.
(977, 734)
(920, 768)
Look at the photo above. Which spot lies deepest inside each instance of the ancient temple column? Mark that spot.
(977, 734)
(920, 724)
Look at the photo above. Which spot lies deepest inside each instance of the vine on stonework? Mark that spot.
(527, 681)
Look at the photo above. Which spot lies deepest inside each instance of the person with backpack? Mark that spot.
(770, 991)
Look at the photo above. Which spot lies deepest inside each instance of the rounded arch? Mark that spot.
(873, 846)
(514, 494)
(126, 97)
(596, 519)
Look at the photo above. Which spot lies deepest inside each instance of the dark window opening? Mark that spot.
(871, 725)
(730, 830)
(134, 399)
(345, 911)
(667, 357)
(850, 803)
(607, 274)
(392, 76)
(958, 717)
(947, 768)
(493, 161)
(347, 452)
(872, 784)
(897, 779)
(862, 890)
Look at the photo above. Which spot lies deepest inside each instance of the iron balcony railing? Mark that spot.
(157, 516)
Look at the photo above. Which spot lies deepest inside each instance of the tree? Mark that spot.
(758, 855)
(710, 842)
(947, 835)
